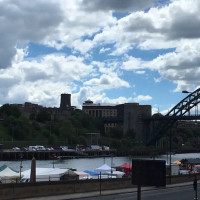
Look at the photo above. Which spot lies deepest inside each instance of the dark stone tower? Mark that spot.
(65, 101)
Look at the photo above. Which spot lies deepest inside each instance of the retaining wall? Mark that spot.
(25, 190)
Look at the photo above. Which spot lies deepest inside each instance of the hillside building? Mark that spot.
(128, 115)
(31, 110)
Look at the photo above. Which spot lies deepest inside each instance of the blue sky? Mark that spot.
(113, 51)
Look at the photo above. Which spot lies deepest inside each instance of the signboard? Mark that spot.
(148, 172)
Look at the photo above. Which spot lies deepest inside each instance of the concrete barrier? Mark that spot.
(25, 190)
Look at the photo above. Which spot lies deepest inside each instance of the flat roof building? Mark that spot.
(128, 115)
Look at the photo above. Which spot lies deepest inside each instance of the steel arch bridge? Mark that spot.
(182, 111)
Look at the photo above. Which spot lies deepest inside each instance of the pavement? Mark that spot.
(105, 192)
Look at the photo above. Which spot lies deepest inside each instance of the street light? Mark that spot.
(111, 171)
(185, 91)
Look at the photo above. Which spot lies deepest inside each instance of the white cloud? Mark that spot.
(140, 72)
(43, 81)
(96, 96)
(140, 98)
(107, 82)
(154, 110)
(133, 63)
(103, 50)
(158, 80)
(116, 5)
(177, 66)
(84, 26)
(159, 28)
(23, 21)
(34, 22)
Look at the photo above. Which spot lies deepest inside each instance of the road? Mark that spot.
(182, 193)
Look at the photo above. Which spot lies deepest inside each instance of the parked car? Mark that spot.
(36, 148)
(40, 148)
(50, 149)
(16, 148)
(58, 148)
(64, 148)
(24, 149)
(195, 169)
(32, 148)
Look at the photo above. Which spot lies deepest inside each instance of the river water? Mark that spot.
(82, 164)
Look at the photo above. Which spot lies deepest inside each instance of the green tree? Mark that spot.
(51, 139)
(117, 132)
(43, 116)
(9, 110)
(19, 128)
(67, 132)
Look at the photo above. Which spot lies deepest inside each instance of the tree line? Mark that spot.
(15, 126)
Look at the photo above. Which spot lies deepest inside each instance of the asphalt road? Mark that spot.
(177, 193)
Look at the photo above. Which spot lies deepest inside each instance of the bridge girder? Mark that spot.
(178, 112)
(184, 106)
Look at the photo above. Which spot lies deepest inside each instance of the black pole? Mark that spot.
(21, 166)
(138, 192)
(20, 169)
(170, 157)
(100, 184)
(195, 187)
(196, 195)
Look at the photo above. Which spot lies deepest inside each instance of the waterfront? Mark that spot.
(81, 164)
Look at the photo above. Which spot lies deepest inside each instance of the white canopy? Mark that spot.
(103, 168)
(118, 174)
(44, 174)
(8, 174)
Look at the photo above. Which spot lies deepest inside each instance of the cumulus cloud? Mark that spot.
(103, 50)
(133, 63)
(23, 21)
(140, 72)
(140, 98)
(34, 22)
(116, 5)
(96, 96)
(107, 82)
(177, 66)
(44, 80)
(84, 26)
(158, 28)
(158, 80)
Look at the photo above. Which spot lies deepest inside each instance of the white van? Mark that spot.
(32, 148)
(36, 148)
(40, 148)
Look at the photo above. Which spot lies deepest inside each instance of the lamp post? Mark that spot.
(186, 92)
(170, 156)
(21, 166)
(111, 164)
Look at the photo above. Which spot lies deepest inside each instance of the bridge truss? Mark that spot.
(182, 111)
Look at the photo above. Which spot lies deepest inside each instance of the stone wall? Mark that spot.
(25, 190)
